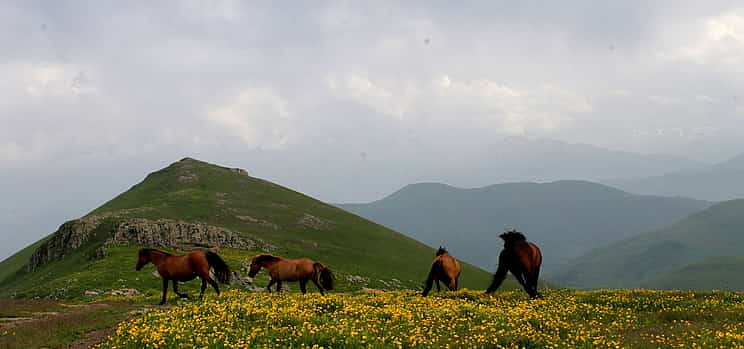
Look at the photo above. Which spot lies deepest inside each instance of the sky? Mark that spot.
(349, 101)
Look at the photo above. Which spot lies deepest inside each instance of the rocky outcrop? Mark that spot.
(164, 233)
(177, 234)
(69, 237)
(309, 221)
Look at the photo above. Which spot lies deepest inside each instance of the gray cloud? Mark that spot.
(326, 96)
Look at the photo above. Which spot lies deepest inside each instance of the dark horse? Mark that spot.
(445, 268)
(185, 268)
(283, 269)
(522, 259)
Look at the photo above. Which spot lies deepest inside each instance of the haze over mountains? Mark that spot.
(566, 218)
(718, 182)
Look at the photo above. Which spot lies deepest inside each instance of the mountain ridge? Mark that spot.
(649, 258)
(717, 182)
(567, 217)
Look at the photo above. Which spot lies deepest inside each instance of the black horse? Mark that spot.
(522, 259)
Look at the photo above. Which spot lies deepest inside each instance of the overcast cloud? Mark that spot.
(347, 101)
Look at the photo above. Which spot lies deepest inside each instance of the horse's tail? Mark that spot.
(221, 270)
(324, 275)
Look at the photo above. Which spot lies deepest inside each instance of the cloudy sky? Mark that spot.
(346, 101)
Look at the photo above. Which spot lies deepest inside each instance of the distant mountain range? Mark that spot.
(702, 251)
(719, 182)
(566, 218)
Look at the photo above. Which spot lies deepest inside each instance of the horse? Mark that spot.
(522, 259)
(185, 268)
(284, 269)
(445, 268)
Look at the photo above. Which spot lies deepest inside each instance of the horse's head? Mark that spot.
(262, 260)
(255, 266)
(441, 251)
(512, 236)
(144, 258)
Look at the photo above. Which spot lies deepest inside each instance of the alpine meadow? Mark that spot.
(382, 174)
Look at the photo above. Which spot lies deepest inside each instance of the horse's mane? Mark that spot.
(150, 250)
(441, 251)
(512, 236)
(265, 257)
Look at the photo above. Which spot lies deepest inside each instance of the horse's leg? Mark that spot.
(500, 274)
(165, 291)
(452, 284)
(268, 287)
(203, 288)
(521, 276)
(320, 288)
(303, 286)
(532, 280)
(430, 280)
(278, 286)
(213, 284)
(175, 290)
(439, 289)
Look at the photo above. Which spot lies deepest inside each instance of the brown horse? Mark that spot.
(283, 269)
(445, 268)
(522, 259)
(185, 268)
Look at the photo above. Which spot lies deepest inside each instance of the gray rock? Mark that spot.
(128, 292)
(164, 233)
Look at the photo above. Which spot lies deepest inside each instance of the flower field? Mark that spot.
(463, 319)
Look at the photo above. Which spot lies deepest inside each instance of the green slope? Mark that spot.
(565, 218)
(195, 191)
(722, 273)
(663, 257)
(15, 263)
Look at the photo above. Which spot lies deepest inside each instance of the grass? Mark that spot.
(51, 324)
(17, 262)
(463, 319)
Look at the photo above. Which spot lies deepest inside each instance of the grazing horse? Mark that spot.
(283, 269)
(445, 268)
(522, 259)
(185, 268)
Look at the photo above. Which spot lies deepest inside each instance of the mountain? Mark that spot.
(192, 204)
(703, 250)
(565, 218)
(718, 182)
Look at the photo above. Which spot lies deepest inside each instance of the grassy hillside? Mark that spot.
(15, 263)
(672, 257)
(195, 191)
(717, 183)
(566, 218)
(722, 273)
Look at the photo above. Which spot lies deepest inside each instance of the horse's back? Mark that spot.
(536, 253)
(528, 254)
(185, 267)
(451, 265)
(293, 269)
(447, 265)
